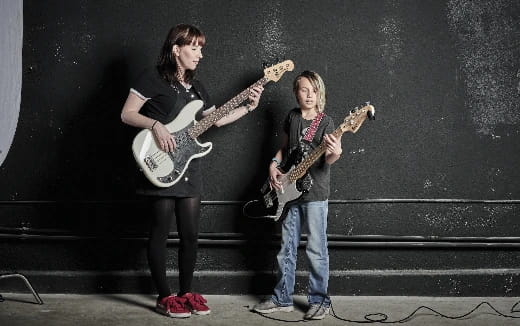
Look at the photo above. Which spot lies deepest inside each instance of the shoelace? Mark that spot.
(196, 300)
(175, 302)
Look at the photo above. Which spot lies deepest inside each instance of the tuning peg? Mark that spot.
(371, 115)
(367, 103)
(265, 64)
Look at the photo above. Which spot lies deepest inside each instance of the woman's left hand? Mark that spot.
(254, 96)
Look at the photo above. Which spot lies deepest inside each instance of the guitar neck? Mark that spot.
(208, 121)
(300, 170)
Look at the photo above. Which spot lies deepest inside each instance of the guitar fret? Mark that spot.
(304, 165)
(222, 111)
(353, 124)
(154, 162)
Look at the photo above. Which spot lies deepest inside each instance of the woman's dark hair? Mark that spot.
(182, 34)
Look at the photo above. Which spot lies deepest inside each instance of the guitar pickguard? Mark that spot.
(187, 149)
(274, 203)
(165, 169)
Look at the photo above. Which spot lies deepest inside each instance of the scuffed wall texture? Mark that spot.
(443, 76)
(439, 164)
(487, 43)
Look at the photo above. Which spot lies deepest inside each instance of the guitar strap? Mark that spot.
(309, 135)
(304, 184)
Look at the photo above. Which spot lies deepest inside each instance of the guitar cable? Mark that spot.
(383, 318)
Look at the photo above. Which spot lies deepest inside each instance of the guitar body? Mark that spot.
(274, 203)
(165, 169)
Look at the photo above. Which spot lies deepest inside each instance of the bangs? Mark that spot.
(192, 36)
(317, 84)
(199, 40)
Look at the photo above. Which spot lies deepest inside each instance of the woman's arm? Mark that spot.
(254, 99)
(131, 116)
(130, 113)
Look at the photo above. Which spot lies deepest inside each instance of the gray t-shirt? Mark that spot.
(296, 127)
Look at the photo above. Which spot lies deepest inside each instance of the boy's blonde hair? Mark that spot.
(318, 85)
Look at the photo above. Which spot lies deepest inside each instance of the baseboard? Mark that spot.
(479, 283)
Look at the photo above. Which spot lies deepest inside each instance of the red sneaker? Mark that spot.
(173, 306)
(196, 303)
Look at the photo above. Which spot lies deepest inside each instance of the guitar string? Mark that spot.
(159, 156)
(183, 137)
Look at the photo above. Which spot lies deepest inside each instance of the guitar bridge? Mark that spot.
(150, 163)
(268, 201)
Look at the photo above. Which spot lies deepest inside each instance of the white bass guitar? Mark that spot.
(164, 169)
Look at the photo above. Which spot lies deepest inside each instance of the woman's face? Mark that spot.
(188, 56)
(306, 94)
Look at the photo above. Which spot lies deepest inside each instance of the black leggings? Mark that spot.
(187, 212)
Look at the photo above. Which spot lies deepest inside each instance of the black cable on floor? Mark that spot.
(383, 318)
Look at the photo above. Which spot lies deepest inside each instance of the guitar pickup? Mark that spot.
(150, 163)
(268, 201)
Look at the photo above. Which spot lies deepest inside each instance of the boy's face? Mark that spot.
(306, 95)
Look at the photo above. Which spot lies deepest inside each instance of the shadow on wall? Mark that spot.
(95, 157)
(259, 252)
(95, 184)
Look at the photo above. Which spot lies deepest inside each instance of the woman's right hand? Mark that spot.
(274, 173)
(163, 138)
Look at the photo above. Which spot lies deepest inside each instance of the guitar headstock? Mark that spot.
(274, 73)
(356, 118)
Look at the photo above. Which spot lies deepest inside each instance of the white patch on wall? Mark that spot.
(391, 50)
(357, 151)
(463, 217)
(11, 38)
(487, 43)
(272, 47)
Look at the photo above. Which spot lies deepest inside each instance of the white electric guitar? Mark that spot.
(164, 169)
(274, 202)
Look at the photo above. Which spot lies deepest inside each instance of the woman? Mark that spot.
(155, 99)
(304, 129)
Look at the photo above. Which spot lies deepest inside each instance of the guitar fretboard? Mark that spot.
(300, 169)
(352, 123)
(208, 121)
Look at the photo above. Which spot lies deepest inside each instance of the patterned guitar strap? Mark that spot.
(309, 135)
(304, 184)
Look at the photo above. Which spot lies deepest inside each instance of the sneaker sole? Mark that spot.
(169, 314)
(281, 309)
(196, 312)
(320, 317)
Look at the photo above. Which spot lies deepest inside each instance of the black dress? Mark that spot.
(164, 102)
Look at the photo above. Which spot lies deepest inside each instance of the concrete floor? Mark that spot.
(127, 310)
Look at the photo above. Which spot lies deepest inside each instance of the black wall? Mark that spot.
(425, 199)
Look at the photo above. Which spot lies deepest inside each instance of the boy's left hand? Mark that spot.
(333, 144)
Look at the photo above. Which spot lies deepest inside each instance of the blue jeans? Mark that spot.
(315, 214)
